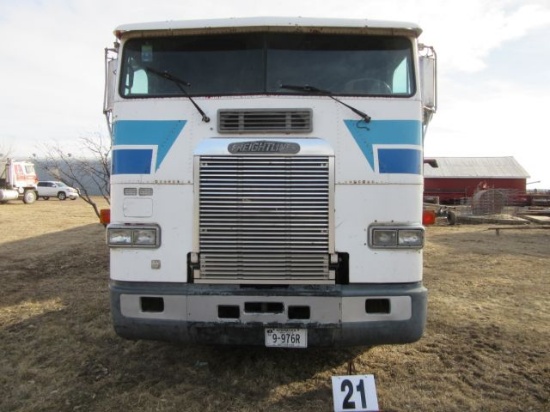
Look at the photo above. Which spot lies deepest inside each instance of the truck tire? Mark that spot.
(45, 197)
(451, 218)
(29, 196)
(61, 196)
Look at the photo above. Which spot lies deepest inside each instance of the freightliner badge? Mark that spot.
(264, 146)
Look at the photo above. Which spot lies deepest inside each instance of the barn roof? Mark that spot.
(476, 167)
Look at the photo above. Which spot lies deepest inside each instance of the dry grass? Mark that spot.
(486, 347)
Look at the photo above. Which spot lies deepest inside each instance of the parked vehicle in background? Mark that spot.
(17, 181)
(60, 190)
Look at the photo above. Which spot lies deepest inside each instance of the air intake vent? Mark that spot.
(265, 121)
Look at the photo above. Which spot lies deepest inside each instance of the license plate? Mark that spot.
(285, 338)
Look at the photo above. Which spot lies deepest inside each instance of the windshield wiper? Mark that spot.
(180, 83)
(312, 89)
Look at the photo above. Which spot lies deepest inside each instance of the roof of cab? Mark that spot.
(274, 23)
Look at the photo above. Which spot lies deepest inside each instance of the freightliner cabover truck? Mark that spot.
(18, 180)
(267, 178)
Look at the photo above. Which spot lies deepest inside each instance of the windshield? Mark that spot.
(29, 169)
(255, 63)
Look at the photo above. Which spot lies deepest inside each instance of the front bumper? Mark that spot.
(334, 315)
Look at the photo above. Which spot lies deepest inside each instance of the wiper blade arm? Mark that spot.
(168, 76)
(311, 89)
(180, 83)
(306, 88)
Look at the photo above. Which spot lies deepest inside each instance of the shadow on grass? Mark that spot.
(61, 352)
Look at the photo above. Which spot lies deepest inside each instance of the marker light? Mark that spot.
(428, 217)
(105, 216)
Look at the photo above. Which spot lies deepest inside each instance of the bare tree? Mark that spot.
(5, 151)
(89, 170)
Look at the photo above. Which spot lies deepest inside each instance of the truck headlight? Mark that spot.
(145, 237)
(138, 236)
(396, 238)
(412, 238)
(119, 237)
(384, 238)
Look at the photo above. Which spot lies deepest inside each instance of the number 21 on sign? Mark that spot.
(354, 393)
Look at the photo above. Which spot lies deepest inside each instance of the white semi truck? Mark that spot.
(18, 180)
(267, 181)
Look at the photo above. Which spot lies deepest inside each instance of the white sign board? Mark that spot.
(354, 393)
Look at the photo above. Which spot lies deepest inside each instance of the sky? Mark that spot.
(493, 67)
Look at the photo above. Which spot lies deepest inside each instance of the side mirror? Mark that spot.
(428, 78)
(111, 63)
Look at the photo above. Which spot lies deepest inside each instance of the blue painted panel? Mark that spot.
(132, 161)
(400, 161)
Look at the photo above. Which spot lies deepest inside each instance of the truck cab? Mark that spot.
(18, 180)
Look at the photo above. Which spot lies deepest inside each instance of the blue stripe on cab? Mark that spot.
(132, 161)
(400, 161)
(159, 133)
(396, 133)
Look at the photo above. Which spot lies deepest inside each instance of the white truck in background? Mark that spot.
(18, 180)
(267, 181)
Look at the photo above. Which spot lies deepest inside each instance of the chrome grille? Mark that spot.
(264, 218)
(266, 121)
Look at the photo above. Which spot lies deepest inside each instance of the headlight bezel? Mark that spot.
(396, 237)
(140, 236)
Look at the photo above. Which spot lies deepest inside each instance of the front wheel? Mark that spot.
(29, 196)
(451, 218)
(61, 196)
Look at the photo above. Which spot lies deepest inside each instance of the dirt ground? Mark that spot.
(486, 347)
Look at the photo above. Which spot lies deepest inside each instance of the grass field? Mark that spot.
(486, 347)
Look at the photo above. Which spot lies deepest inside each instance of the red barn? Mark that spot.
(459, 178)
